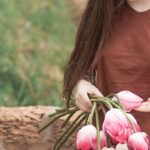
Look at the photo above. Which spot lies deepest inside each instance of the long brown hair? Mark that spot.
(94, 29)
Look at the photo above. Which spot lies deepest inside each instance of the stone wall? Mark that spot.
(19, 129)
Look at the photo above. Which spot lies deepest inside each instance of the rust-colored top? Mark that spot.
(124, 63)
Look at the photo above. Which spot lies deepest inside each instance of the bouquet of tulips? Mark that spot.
(118, 126)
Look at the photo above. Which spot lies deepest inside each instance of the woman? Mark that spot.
(113, 39)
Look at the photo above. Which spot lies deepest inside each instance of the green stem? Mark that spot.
(107, 104)
(131, 123)
(56, 113)
(61, 143)
(114, 95)
(113, 103)
(103, 108)
(98, 127)
(118, 100)
(108, 141)
(86, 120)
(111, 95)
(68, 129)
(53, 120)
(59, 111)
(67, 119)
(65, 109)
(94, 96)
(100, 98)
(90, 119)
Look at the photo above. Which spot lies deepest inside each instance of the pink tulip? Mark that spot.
(139, 141)
(121, 147)
(115, 125)
(129, 100)
(106, 148)
(129, 128)
(133, 120)
(118, 127)
(87, 138)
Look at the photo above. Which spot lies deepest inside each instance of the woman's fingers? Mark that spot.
(82, 107)
(83, 101)
(95, 91)
(145, 107)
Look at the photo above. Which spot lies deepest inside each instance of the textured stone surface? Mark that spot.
(19, 129)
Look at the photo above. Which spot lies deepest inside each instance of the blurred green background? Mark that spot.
(36, 38)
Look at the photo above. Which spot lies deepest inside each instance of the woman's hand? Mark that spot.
(83, 88)
(145, 107)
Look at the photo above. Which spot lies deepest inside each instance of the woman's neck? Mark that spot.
(139, 5)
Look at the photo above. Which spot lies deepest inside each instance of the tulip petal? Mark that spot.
(138, 141)
(129, 100)
(87, 138)
(115, 125)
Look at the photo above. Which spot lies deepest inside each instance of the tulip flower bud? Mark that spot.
(134, 122)
(129, 128)
(128, 100)
(139, 141)
(115, 125)
(118, 127)
(87, 138)
(121, 147)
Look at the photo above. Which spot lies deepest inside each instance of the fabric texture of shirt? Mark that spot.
(124, 62)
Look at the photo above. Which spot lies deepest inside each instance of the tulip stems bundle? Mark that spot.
(69, 131)
(107, 101)
(104, 103)
(58, 114)
(90, 121)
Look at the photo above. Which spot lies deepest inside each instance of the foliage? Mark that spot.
(36, 38)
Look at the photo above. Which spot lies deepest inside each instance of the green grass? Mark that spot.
(36, 38)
